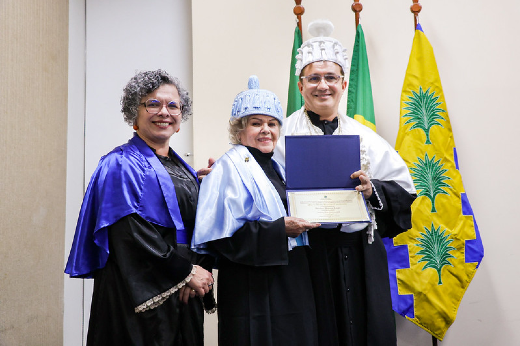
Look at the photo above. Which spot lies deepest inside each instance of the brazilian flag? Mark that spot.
(360, 105)
(294, 97)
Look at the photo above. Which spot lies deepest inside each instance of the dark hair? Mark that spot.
(144, 83)
(341, 72)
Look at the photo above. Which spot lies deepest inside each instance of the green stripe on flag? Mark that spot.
(360, 104)
(294, 97)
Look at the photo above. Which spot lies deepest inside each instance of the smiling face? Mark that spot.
(261, 132)
(322, 99)
(157, 129)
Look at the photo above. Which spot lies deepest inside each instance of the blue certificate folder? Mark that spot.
(317, 168)
(321, 162)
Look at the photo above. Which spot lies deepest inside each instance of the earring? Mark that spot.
(136, 127)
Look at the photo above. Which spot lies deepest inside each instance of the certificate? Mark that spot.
(328, 206)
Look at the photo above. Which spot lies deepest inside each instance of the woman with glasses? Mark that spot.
(265, 295)
(136, 220)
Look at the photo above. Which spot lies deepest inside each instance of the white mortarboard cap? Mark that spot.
(321, 47)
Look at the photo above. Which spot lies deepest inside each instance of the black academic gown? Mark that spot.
(350, 276)
(145, 261)
(264, 291)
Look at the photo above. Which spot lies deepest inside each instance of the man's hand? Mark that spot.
(366, 185)
(201, 173)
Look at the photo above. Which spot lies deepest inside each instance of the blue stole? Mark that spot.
(235, 192)
(130, 179)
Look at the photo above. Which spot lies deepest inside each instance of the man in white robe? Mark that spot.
(348, 263)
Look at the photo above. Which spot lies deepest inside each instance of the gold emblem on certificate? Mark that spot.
(328, 206)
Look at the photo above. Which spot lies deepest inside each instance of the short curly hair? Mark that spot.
(144, 83)
(236, 126)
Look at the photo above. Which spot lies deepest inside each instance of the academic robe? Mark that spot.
(137, 212)
(348, 263)
(265, 295)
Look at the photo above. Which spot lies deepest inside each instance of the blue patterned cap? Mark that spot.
(256, 101)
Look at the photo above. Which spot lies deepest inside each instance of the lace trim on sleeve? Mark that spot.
(212, 311)
(380, 206)
(161, 298)
(372, 226)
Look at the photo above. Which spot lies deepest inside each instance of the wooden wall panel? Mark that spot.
(33, 129)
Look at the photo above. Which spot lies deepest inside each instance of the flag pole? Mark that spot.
(294, 97)
(298, 11)
(357, 7)
(415, 9)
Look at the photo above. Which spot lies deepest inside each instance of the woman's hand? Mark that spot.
(185, 293)
(200, 283)
(294, 226)
(366, 185)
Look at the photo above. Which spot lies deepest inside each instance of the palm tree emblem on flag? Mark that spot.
(423, 111)
(435, 249)
(428, 178)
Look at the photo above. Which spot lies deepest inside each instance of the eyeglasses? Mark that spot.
(315, 79)
(154, 107)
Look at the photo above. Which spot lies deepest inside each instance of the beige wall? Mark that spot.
(477, 53)
(33, 104)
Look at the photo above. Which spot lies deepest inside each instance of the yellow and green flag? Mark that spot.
(432, 264)
(360, 105)
(294, 97)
